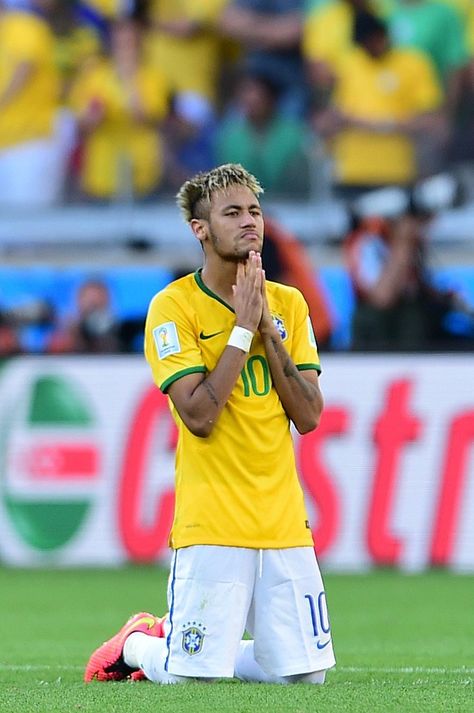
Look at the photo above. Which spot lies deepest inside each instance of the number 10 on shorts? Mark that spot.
(319, 616)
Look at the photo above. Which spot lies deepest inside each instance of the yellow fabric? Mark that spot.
(190, 64)
(327, 31)
(73, 53)
(400, 86)
(239, 486)
(119, 141)
(29, 115)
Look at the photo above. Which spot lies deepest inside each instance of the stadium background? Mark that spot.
(87, 444)
(72, 492)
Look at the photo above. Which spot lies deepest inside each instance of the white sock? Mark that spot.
(247, 669)
(149, 653)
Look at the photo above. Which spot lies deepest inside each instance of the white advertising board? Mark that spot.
(87, 455)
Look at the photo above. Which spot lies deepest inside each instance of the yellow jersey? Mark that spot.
(120, 143)
(327, 31)
(239, 486)
(30, 114)
(396, 87)
(191, 64)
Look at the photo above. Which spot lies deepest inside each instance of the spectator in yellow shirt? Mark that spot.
(384, 98)
(435, 28)
(120, 102)
(185, 44)
(29, 98)
(327, 36)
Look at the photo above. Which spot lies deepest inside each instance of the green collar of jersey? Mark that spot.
(205, 288)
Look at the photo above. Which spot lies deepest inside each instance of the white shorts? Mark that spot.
(216, 593)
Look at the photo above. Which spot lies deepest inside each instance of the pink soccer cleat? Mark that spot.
(107, 664)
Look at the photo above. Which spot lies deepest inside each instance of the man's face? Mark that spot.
(235, 224)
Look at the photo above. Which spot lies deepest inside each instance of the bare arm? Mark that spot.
(299, 392)
(199, 401)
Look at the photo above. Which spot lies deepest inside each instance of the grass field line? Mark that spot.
(404, 669)
(341, 669)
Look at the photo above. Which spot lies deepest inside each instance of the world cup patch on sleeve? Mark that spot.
(166, 339)
(312, 338)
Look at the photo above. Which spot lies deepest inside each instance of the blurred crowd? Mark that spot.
(106, 100)
(388, 298)
(118, 101)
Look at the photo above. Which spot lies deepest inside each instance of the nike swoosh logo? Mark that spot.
(209, 336)
(148, 620)
(323, 645)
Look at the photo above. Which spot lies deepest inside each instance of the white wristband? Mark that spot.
(241, 338)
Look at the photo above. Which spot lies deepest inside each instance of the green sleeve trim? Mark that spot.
(305, 367)
(179, 374)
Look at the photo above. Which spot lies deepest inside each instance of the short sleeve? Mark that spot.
(425, 91)
(154, 93)
(319, 41)
(304, 350)
(171, 343)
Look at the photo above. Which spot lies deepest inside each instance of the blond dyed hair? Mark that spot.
(194, 196)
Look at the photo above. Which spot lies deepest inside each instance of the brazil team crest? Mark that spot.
(280, 325)
(193, 639)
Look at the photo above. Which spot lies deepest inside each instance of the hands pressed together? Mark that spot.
(250, 297)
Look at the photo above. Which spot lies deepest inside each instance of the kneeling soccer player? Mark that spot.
(237, 357)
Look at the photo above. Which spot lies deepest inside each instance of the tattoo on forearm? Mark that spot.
(290, 370)
(211, 392)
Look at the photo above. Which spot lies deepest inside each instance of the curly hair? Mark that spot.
(194, 196)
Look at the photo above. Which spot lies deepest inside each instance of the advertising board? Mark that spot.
(87, 457)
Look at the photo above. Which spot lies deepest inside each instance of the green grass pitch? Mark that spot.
(404, 643)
